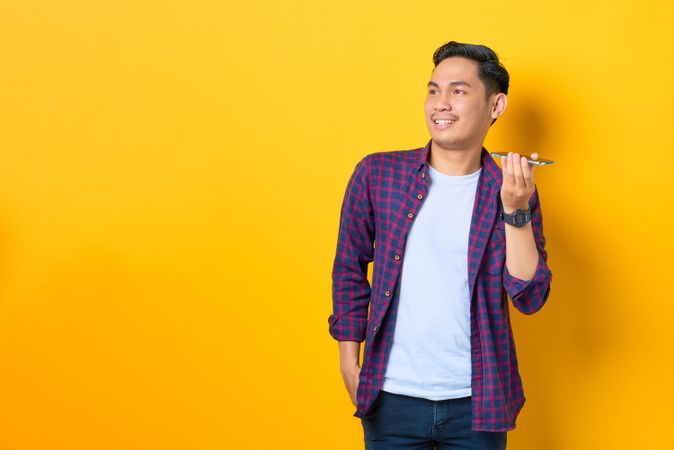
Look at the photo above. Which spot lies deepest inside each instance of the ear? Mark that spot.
(499, 103)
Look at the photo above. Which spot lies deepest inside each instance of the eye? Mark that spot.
(459, 91)
(432, 91)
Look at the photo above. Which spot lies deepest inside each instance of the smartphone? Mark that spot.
(537, 162)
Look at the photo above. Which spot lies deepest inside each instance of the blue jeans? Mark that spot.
(398, 421)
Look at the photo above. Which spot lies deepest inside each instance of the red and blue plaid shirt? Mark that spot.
(383, 196)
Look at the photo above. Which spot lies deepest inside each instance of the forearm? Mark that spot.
(521, 251)
(349, 353)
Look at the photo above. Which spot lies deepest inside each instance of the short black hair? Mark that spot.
(491, 72)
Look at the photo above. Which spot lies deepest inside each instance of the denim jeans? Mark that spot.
(398, 421)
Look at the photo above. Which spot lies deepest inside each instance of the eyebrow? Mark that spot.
(451, 83)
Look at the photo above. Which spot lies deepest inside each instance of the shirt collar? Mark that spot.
(490, 170)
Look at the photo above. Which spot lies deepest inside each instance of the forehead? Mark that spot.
(456, 68)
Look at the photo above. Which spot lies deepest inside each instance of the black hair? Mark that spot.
(492, 73)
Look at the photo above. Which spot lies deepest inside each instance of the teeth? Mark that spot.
(444, 121)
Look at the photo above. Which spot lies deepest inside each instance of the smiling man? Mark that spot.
(456, 237)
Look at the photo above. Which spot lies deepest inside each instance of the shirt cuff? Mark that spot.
(347, 328)
(515, 285)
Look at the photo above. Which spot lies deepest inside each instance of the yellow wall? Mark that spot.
(170, 181)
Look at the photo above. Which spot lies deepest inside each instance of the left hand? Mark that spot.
(518, 182)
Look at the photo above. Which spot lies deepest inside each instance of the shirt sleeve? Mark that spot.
(529, 296)
(355, 250)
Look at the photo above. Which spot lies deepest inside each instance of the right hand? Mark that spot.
(351, 376)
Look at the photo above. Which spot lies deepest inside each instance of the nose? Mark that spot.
(442, 104)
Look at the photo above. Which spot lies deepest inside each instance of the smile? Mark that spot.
(442, 124)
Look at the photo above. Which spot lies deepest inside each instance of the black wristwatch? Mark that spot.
(517, 218)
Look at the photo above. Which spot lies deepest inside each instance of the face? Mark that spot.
(456, 94)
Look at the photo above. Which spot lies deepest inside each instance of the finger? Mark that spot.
(517, 169)
(527, 172)
(534, 156)
(508, 177)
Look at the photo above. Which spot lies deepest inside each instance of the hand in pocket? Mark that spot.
(351, 378)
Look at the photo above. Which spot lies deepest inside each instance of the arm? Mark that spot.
(350, 287)
(526, 276)
(355, 250)
(521, 250)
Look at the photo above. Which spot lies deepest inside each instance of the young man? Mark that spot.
(456, 235)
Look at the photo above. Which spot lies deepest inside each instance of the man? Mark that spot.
(455, 237)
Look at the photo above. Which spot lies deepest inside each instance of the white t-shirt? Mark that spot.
(431, 354)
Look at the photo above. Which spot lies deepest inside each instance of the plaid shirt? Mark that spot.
(383, 196)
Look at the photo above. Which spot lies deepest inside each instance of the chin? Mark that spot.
(444, 142)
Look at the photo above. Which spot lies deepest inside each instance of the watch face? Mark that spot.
(519, 218)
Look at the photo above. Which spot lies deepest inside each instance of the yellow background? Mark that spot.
(171, 174)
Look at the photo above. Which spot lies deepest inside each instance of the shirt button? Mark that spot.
(420, 196)
(376, 327)
(387, 293)
(423, 174)
(410, 215)
(397, 257)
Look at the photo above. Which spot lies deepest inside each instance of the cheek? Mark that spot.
(470, 114)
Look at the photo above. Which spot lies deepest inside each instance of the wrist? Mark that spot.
(512, 209)
(519, 218)
(349, 366)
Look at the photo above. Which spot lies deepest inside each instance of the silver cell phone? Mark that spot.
(535, 162)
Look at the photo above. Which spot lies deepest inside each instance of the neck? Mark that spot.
(455, 162)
